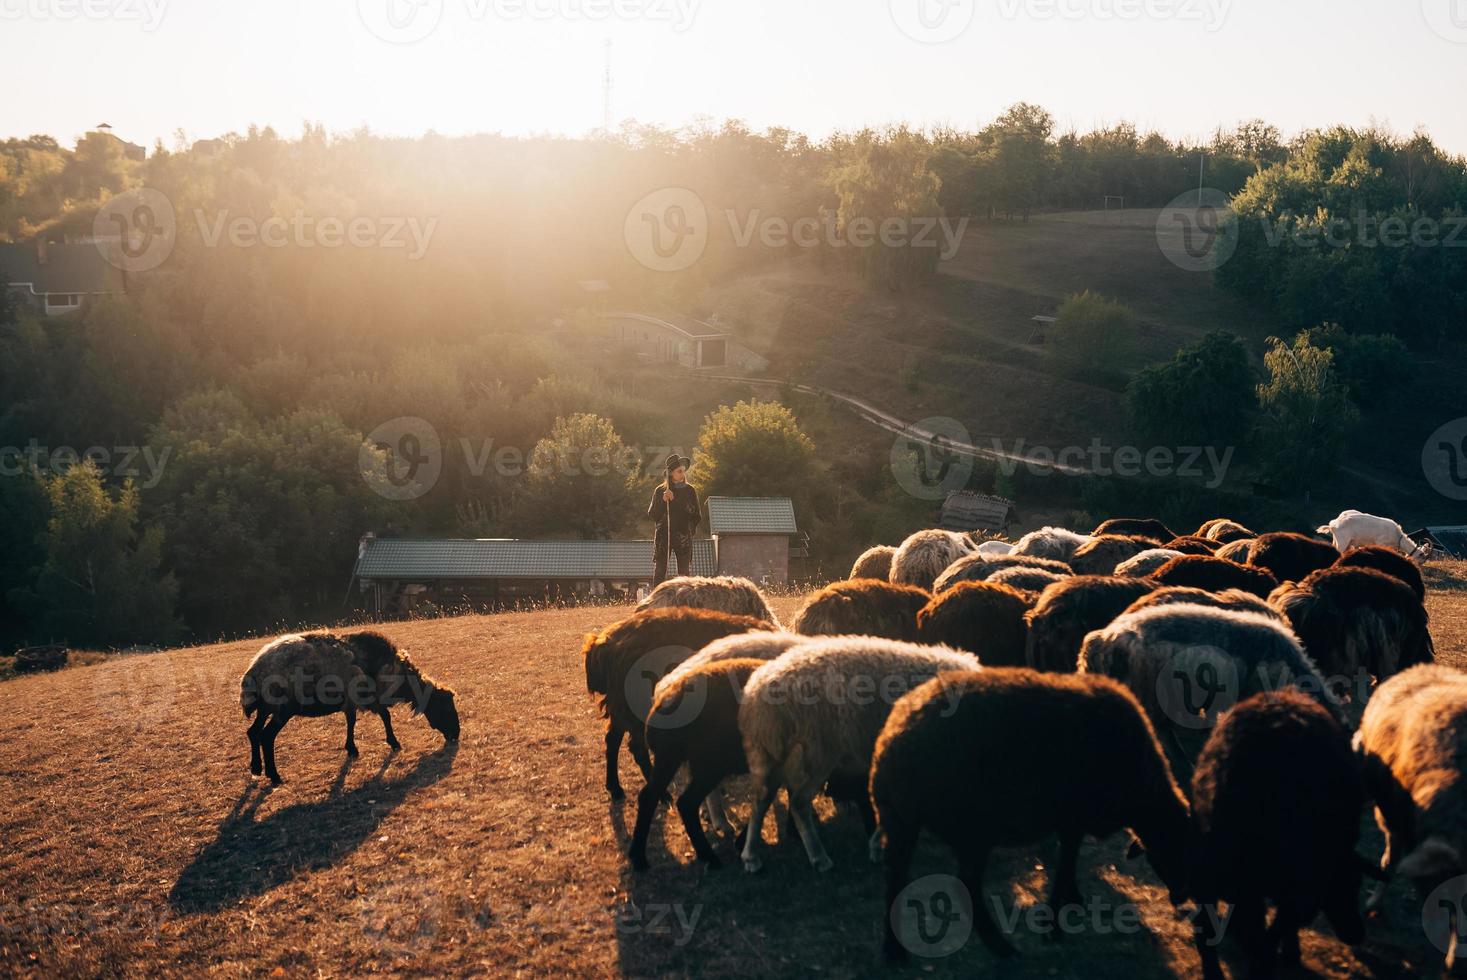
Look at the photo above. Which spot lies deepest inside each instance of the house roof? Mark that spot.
(68, 269)
(968, 511)
(751, 515)
(687, 326)
(421, 559)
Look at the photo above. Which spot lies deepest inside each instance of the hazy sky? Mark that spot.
(150, 67)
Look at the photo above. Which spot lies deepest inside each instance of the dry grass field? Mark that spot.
(133, 842)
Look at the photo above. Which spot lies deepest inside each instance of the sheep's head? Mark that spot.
(442, 713)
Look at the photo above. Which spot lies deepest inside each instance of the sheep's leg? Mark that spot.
(970, 872)
(701, 785)
(614, 735)
(267, 738)
(804, 814)
(386, 717)
(637, 742)
(1207, 933)
(351, 730)
(754, 832)
(1282, 940)
(255, 730)
(717, 808)
(1065, 891)
(901, 844)
(647, 801)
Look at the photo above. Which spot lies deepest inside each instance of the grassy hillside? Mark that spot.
(137, 843)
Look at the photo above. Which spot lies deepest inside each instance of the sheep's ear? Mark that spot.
(1136, 848)
(1433, 857)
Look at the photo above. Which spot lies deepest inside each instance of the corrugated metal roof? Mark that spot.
(68, 269)
(969, 511)
(417, 560)
(751, 515)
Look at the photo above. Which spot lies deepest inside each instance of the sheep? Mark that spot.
(1191, 544)
(1352, 529)
(624, 661)
(1145, 527)
(1386, 560)
(1186, 664)
(1215, 574)
(1351, 619)
(815, 713)
(737, 646)
(725, 593)
(924, 555)
(1051, 542)
(874, 563)
(1185, 595)
(1068, 610)
(984, 618)
(1235, 550)
(1026, 579)
(995, 548)
(1224, 531)
(1004, 757)
(863, 607)
(1276, 800)
(1290, 556)
(1103, 554)
(319, 674)
(1412, 745)
(1146, 562)
(978, 568)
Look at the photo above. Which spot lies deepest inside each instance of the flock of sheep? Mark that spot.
(997, 694)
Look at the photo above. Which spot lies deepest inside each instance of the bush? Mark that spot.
(755, 449)
(1204, 396)
(1305, 414)
(1093, 336)
(1373, 366)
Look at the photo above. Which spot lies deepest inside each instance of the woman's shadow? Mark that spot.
(250, 857)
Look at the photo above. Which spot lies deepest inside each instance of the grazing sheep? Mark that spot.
(738, 646)
(1144, 527)
(1103, 554)
(1186, 595)
(863, 607)
(1235, 550)
(1051, 542)
(319, 674)
(1386, 560)
(979, 568)
(1191, 544)
(1026, 579)
(1146, 562)
(1352, 529)
(984, 618)
(1412, 745)
(626, 659)
(726, 593)
(1224, 531)
(1000, 758)
(1187, 664)
(1215, 574)
(1068, 610)
(874, 563)
(1357, 618)
(1290, 556)
(924, 555)
(815, 713)
(995, 548)
(1276, 800)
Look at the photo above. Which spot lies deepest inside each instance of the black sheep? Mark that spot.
(1215, 575)
(1290, 557)
(1068, 610)
(984, 618)
(1146, 527)
(1387, 560)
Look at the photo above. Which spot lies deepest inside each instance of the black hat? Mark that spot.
(674, 461)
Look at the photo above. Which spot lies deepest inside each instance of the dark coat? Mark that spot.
(687, 514)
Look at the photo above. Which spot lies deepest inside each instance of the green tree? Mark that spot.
(1204, 396)
(1373, 366)
(1305, 414)
(882, 181)
(23, 515)
(1093, 336)
(580, 478)
(756, 449)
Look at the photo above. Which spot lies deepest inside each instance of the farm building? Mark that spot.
(969, 511)
(751, 537)
(1446, 542)
(400, 576)
(670, 339)
(58, 278)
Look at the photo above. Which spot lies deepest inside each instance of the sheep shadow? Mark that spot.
(249, 857)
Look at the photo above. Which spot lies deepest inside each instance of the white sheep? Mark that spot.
(1051, 542)
(1145, 563)
(815, 713)
(1353, 529)
(923, 556)
(726, 593)
(992, 548)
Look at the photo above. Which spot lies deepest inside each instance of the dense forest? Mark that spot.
(238, 382)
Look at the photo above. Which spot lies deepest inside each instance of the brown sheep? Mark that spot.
(626, 659)
(980, 567)
(1185, 595)
(1146, 527)
(725, 593)
(981, 617)
(1224, 531)
(1025, 579)
(874, 563)
(1191, 544)
(1068, 610)
(1103, 554)
(1290, 557)
(1215, 575)
(863, 607)
(923, 556)
(1235, 550)
(1386, 560)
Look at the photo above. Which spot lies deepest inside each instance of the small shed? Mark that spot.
(751, 536)
(1445, 541)
(969, 511)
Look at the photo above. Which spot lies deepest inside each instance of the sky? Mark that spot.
(403, 67)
